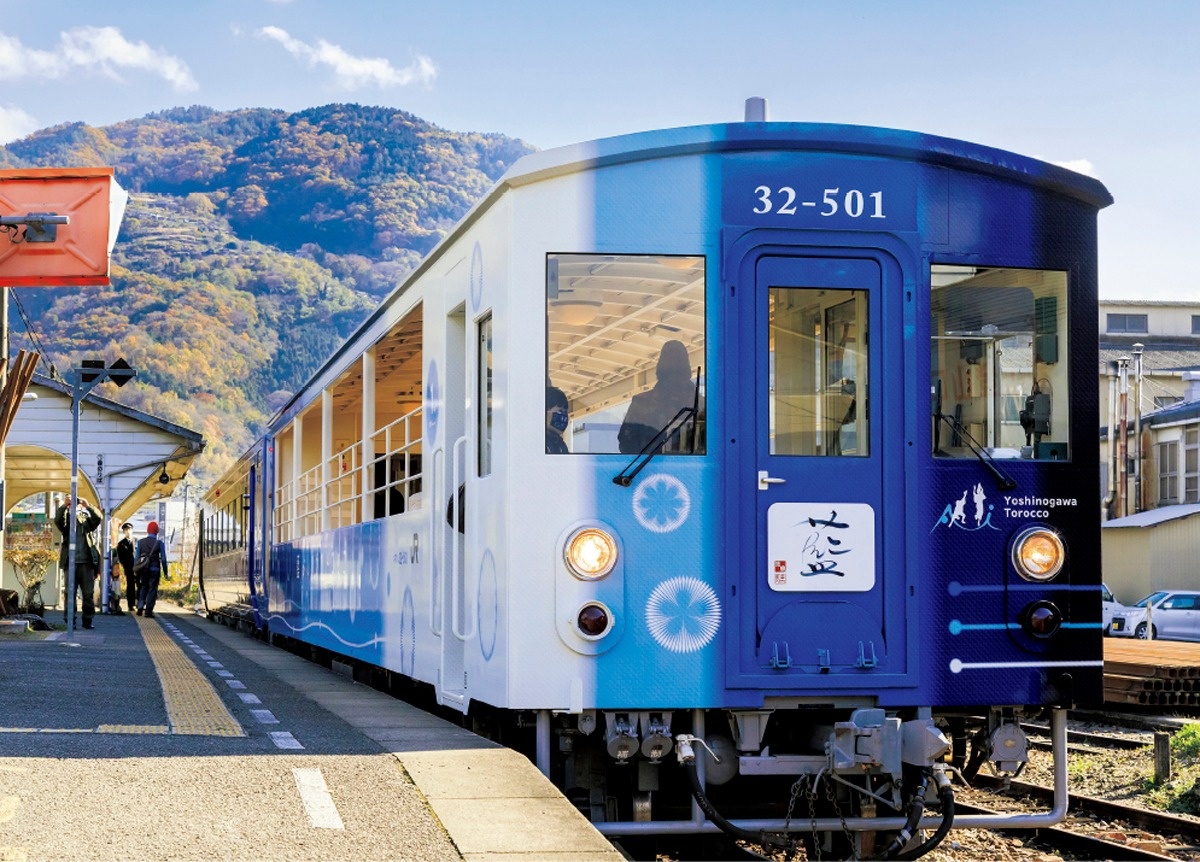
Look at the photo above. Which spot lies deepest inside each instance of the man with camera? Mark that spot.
(87, 556)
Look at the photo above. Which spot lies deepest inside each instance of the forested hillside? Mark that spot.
(254, 242)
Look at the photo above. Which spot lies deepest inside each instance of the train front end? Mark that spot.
(821, 420)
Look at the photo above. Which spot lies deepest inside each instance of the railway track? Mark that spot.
(1039, 737)
(1100, 828)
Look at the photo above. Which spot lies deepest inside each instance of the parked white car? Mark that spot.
(1174, 615)
(1109, 604)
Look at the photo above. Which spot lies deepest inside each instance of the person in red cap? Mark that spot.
(149, 566)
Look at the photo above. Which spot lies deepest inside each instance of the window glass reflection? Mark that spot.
(998, 362)
(625, 352)
(819, 374)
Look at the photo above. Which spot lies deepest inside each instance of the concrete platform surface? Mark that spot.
(248, 752)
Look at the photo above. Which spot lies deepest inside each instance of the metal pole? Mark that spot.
(3, 446)
(1123, 465)
(102, 573)
(75, 395)
(1109, 509)
(1137, 426)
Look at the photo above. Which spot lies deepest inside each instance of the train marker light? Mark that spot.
(593, 620)
(1042, 619)
(1038, 554)
(591, 553)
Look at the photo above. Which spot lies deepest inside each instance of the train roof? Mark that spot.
(819, 137)
(744, 137)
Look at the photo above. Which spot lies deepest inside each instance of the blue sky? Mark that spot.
(1112, 88)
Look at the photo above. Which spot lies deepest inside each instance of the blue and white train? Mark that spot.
(748, 456)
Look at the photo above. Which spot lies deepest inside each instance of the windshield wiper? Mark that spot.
(1006, 482)
(625, 477)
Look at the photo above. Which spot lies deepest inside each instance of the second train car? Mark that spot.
(747, 457)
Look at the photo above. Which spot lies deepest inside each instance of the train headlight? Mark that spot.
(591, 554)
(1038, 554)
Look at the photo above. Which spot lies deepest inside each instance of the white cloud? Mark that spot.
(15, 123)
(349, 71)
(101, 49)
(1080, 166)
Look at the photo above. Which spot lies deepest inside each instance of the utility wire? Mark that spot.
(33, 338)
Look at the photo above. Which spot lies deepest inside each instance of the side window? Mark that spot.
(1168, 472)
(625, 360)
(485, 396)
(1129, 323)
(998, 362)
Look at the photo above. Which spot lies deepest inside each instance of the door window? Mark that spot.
(819, 380)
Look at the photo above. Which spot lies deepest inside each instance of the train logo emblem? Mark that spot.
(433, 399)
(661, 503)
(814, 547)
(683, 614)
(476, 277)
(954, 516)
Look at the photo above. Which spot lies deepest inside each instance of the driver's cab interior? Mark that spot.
(998, 363)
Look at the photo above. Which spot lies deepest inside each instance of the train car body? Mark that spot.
(826, 470)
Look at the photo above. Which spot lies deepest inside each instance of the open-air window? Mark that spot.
(998, 362)
(625, 362)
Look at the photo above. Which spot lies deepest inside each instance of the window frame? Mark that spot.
(485, 381)
(604, 309)
(1167, 457)
(1191, 464)
(1125, 328)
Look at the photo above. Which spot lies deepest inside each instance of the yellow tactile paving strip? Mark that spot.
(193, 705)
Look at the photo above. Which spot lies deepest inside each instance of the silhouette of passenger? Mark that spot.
(557, 419)
(651, 411)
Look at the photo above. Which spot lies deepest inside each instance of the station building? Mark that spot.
(128, 461)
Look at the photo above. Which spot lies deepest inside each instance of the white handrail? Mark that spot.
(469, 627)
(438, 537)
(300, 507)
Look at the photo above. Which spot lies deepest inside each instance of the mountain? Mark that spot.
(254, 242)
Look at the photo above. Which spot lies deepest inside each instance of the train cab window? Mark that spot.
(998, 362)
(625, 345)
(818, 372)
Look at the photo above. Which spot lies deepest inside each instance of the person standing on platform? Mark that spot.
(154, 552)
(87, 556)
(125, 551)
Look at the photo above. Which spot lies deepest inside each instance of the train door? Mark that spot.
(451, 517)
(258, 530)
(253, 557)
(819, 554)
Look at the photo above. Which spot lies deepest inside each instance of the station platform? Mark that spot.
(176, 738)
